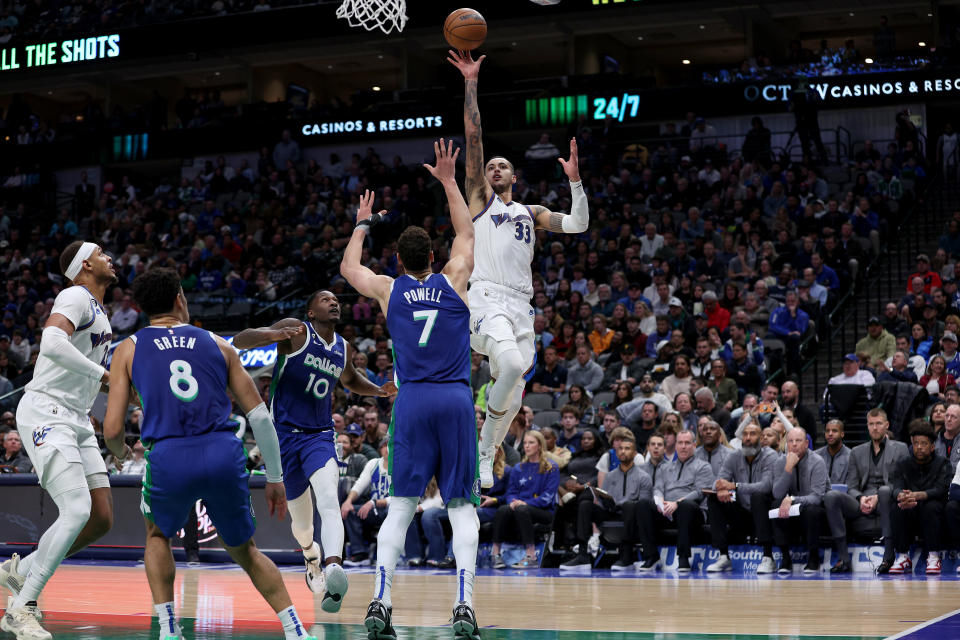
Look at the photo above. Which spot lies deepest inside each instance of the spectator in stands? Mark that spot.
(125, 320)
(579, 398)
(835, 454)
(627, 369)
(542, 155)
(948, 349)
(492, 498)
(707, 407)
(584, 371)
(353, 461)
(679, 379)
(286, 150)
(800, 479)
(551, 376)
(530, 499)
(560, 456)
(361, 521)
(898, 370)
(359, 444)
(677, 502)
(711, 446)
(879, 344)
(569, 437)
(643, 423)
(623, 488)
(868, 489)
(789, 323)
(744, 373)
(948, 440)
(646, 386)
(920, 485)
(930, 278)
(852, 373)
(14, 457)
(601, 336)
(937, 378)
(743, 488)
(724, 388)
(717, 316)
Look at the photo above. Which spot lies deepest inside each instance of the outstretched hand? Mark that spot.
(463, 60)
(446, 161)
(366, 206)
(571, 167)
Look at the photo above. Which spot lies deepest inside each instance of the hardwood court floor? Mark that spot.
(90, 602)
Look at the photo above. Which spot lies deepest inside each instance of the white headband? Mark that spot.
(86, 250)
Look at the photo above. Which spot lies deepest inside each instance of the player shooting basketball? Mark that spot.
(501, 318)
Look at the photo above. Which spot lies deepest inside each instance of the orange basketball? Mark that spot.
(465, 29)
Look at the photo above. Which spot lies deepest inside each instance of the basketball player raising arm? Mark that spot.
(501, 318)
(433, 427)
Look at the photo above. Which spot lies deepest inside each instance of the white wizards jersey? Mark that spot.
(91, 336)
(503, 245)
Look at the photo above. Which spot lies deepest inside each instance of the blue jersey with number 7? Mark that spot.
(430, 327)
(180, 375)
(301, 392)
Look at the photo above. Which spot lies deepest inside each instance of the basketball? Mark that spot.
(465, 29)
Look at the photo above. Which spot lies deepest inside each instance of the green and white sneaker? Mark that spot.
(10, 575)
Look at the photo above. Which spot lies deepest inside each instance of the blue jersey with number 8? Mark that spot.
(301, 393)
(180, 375)
(430, 327)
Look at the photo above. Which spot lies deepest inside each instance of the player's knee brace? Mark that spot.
(463, 521)
(509, 362)
(74, 506)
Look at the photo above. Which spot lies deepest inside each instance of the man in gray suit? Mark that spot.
(835, 454)
(799, 479)
(869, 490)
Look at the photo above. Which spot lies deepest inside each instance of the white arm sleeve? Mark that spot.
(363, 482)
(56, 345)
(262, 426)
(579, 218)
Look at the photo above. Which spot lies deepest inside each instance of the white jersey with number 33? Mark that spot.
(91, 336)
(503, 245)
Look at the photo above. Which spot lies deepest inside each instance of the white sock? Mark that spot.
(466, 527)
(393, 533)
(167, 618)
(292, 626)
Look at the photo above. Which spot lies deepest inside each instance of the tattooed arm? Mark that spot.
(475, 183)
(579, 218)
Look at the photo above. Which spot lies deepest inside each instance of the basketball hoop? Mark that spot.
(370, 14)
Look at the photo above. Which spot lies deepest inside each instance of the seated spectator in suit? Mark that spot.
(491, 499)
(835, 454)
(569, 437)
(747, 475)
(920, 485)
(711, 444)
(937, 378)
(530, 499)
(799, 479)
(623, 488)
(869, 491)
(626, 369)
(677, 501)
(551, 377)
(899, 369)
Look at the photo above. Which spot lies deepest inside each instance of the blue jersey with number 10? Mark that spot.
(430, 327)
(301, 393)
(180, 375)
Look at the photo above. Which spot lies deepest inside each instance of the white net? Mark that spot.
(370, 14)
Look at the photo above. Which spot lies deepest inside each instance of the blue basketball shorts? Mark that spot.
(433, 432)
(303, 453)
(209, 467)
